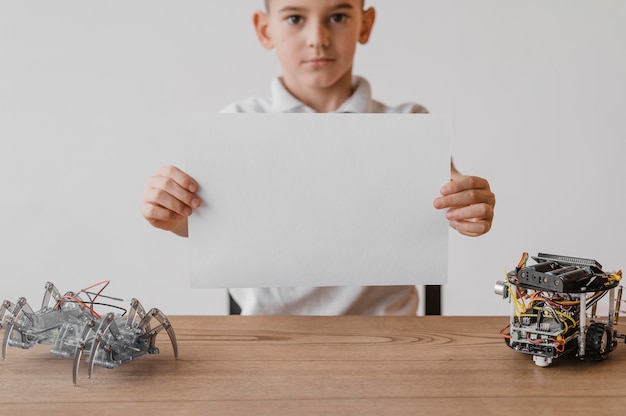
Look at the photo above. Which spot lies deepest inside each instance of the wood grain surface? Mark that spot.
(428, 365)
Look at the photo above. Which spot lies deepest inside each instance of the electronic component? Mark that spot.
(563, 274)
(550, 302)
(71, 324)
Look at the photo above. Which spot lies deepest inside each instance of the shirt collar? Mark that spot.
(359, 102)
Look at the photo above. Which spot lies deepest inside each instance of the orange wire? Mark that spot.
(81, 302)
(523, 260)
(562, 344)
(103, 282)
(503, 334)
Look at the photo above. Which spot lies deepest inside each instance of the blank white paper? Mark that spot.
(318, 200)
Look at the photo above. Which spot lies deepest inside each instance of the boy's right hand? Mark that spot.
(169, 199)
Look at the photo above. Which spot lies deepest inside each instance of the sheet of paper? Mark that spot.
(318, 200)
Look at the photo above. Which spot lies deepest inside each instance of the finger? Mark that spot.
(475, 212)
(181, 178)
(464, 183)
(160, 217)
(157, 196)
(471, 228)
(464, 198)
(173, 186)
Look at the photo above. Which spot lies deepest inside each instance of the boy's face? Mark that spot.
(315, 40)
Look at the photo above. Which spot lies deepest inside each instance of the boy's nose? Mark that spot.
(318, 36)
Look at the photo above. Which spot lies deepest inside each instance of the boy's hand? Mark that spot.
(470, 204)
(169, 199)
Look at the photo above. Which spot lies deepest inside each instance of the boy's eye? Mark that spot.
(294, 19)
(338, 18)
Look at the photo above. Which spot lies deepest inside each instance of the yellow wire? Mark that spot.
(564, 321)
(519, 305)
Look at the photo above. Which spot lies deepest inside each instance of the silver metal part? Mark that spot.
(618, 304)
(583, 325)
(501, 288)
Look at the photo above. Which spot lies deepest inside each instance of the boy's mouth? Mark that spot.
(319, 61)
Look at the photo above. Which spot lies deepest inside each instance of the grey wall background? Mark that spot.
(92, 95)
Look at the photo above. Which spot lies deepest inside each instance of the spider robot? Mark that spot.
(70, 323)
(551, 300)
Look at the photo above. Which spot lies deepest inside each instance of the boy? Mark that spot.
(315, 42)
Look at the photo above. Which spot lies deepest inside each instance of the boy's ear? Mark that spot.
(261, 26)
(367, 23)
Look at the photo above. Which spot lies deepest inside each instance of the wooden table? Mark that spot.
(240, 365)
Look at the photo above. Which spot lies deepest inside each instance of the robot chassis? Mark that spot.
(70, 323)
(550, 300)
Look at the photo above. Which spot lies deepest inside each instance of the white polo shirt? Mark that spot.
(282, 101)
(330, 300)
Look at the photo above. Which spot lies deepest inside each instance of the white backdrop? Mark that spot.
(92, 94)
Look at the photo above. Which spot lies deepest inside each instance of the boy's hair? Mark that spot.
(267, 4)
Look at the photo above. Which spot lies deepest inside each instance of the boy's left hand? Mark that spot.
(470, 204)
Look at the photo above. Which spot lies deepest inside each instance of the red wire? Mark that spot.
(104, 282)
(503, 334)
(83, 304)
